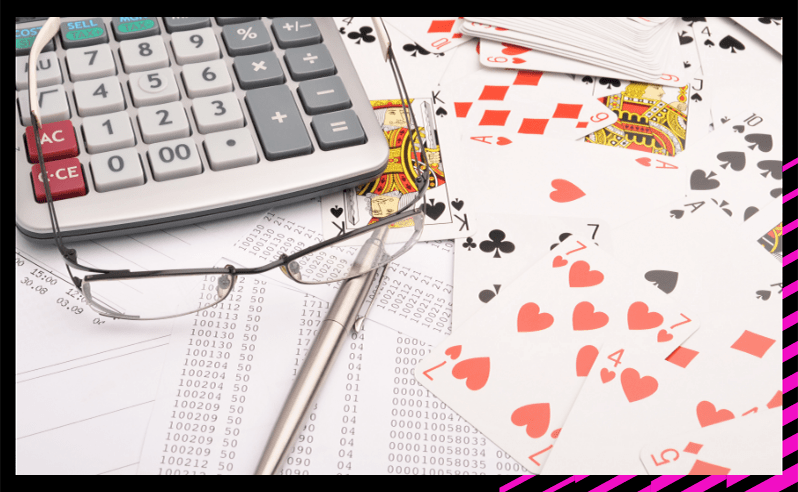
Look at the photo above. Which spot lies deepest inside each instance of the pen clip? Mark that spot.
(358, 325)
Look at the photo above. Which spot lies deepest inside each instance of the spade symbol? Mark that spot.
(738, 129)
(709, 43)
(736, 159)
(700, 181)
(684, 38)
(723, 204)
(497, 243)
(693, 20)
(764, 141)
(441, 112)
(664, 280)
(730, 43)
(768, 20)
(749, 212)
(487, 294)
(677, 214)
(458, 204)
(336, 211)
(587, 79)
(696, 97)
(724, 119)
(609, 82)
(687, 64)
(763, 294)
(772, 167)
(434, 210)
(775, 192)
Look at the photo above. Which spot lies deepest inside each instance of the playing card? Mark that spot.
(435, 34)
(447, 200)
(502, 247)
(766, 229)
(768, 29)
(513, 369)
(464, 62)
(745, 446)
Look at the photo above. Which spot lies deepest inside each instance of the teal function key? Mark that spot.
(134, 27)
(25, 39)
(84, 32)
(280, 128)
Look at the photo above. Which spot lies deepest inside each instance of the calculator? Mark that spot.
(158, 122)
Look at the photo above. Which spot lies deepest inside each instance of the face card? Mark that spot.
(766, 229)
(434, 34)
(513, 369)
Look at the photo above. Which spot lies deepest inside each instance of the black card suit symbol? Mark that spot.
(696, 97)
(362, 34)
(497, 243)
(693, 20)
(724, 119)
(709, 43)
(684, 38)
(342, 30)
(457, 204)
(687, 64)
(731, 43)
(768, 20)
(665, 280)
(763, 140)
(749, 212)
(415, 49)
(336, 211)
(723, 204)
(763, 294)
(772, 167)
(775, 192)
(433, 210)
(700, 181)
(610, 83)
(441, 112)
(677, 214)
(738, 129)
(469, 244)
(562, 238)
(487, 294)
(587, 79)
(736, 159)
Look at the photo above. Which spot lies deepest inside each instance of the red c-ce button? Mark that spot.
(66, 180)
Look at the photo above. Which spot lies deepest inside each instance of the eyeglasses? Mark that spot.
(159, 294)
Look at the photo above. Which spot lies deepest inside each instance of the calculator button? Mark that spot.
(48, 72)
(309, 62)
(207, 79)
(247, 38)
(175, 24)
(195, 46)
(336, 130)
(223, 21)
(323, 95)
(280, 128)
(291, 32)
(58, 141)
(108, 132)
(143, 54)
(65, 178)
(86, 32)
(134, 27)
(164, 122)
(98, 96)
(217, 113)
(25, 37)
(230, 149)
(259, 70)
(155, 87)
(116, 170)
(174, 159)
(90, 62)
(52, 105)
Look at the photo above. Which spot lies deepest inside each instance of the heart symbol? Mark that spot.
(677, 214)
(454, 351)
(458, 204)
(559, 262)
(606, 375)
(336, 211)
(582, 276)
(664, 280)
(535, 417)
(503, 141)
(639, 318)
(664, 336)
(518, 60)
(531, 319)
(511, 49)
(585, 319)
(776, 400)
(475, 371)
(735, 159)
(707, 415)
(636, 388)
(644, 161)
(585, 359)
(565, 191)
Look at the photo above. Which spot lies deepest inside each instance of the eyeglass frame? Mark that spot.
(48, 32)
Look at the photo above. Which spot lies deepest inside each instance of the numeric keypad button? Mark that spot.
(108, 132)
(52, 105)
(295, 31)
(155, 87)
(195, 46)
(143, 54)
(99, 96)
(164, 122)
(174, 159)
(230, 149)
(217, 113)
(90, 62)
(258, 70)
(116, 170)
(48, 71)
(309, 62)
(207, 79)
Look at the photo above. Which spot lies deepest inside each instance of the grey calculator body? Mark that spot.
(211, 194)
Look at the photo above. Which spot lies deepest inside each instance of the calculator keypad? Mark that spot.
(163, 122)
(90, 62)
(48, 71)
(108, 132)
(116, 169)
(218, 113)
(52, 105)
(99, 96)
(174, 159)
(153, 87)
(143, 54)
(195, 46)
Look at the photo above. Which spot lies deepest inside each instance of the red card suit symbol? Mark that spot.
(585, 359)
(503, 141)
(707, 415)
(636, 388)
(704, 468)
(475, 371)
(556, 433)
(565, 191)
(518, 60)
(664, 336)
(606, 375)
(586, 319)
(511, 49)
(644, 161)
(639, 318)
(454, 351)
(776, 400)
(582, 276)
(535, 417)
(531, 319)
(559, 262)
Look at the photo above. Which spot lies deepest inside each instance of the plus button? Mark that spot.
(279, 117)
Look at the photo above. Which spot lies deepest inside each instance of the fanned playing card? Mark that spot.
(434, 34)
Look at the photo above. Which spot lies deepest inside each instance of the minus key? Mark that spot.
(323, 95)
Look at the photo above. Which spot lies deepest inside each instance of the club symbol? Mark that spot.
(497, 243)
(469, 244)
(363, 34)
(587, 79)
(415, 48)
(609, 82)
(562, 238)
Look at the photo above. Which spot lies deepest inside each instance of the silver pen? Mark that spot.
(331, 337)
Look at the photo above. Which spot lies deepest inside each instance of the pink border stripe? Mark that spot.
(706, 483)
(662, 482)
(789, 415)
(733, 479)
(789, 289)
(778, 482)
(792, 225)
(560, 485)
(611, 484)
(790, 382)
(789, 165)
(790, 352)
(789, 196)
(790, 320)
(517, 481)
(790, 445)
(789, 258)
